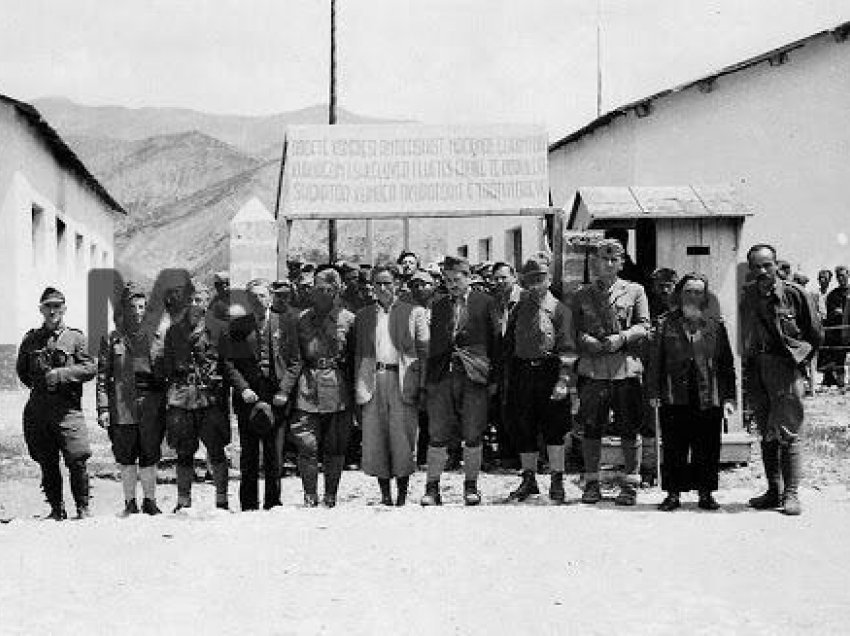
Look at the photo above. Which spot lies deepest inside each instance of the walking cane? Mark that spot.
(657, 425)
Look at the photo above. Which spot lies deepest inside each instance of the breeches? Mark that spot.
(457, 410)
(389, 430)
(536, 413)
(776, 389)
(142, 440)
(599, 399)
(686, 430)
(331, 430)
(49, 433)
(185, 428)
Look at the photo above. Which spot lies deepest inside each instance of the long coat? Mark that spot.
(409, 332)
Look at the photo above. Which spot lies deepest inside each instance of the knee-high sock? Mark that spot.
(147, 476)
(556, 458)
(528, 461)
(472, 462)
(591, 449)
(129, 476)
(220, 474)
(185, 475)
(437, 457)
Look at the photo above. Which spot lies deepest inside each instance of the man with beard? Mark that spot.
(130, 395)
(781, 331)
(540, 348)
(838, 318)
(53, 362)
(322, 417)
(612, 321)
(195, 400)
(460, 378)
(259, 355)
(389, 360)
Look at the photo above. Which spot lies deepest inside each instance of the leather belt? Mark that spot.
(322, 363)
(380, 366)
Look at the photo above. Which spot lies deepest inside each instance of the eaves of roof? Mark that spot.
(839, 33)
(61, 151)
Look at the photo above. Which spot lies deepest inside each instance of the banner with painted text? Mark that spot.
(396, 170)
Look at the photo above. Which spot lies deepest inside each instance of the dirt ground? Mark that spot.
(500, 568)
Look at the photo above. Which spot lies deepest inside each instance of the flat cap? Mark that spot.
(534, 266)
(51, 295)
(422, 276)
(456, 263)
(610, 248)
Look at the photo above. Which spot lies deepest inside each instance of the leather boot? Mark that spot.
(432, 495)
(333, 473)
(79, 479)
(526, 488)
(308, 467)
(220, 479)
(770, 459)
(670, 503)
(591, 450)
(471, 495)
(401, 484)
(556, 487)
(185, 477)
(386, 495)
(791, 461)
(707, 501)
(51, 484)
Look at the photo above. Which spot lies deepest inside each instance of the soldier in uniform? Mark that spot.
(130, 395)
(53, 361)
(540, 350)
(196, 399)
(612, 321)
(259, 354)
(780, 332)
(460, 378)
(322, 417)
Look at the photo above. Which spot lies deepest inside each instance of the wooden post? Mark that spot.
(558, 249)
(370, 241)
(405, 233)
(332, 120)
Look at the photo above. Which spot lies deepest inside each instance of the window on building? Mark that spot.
(38, 233)
(513, 247)
(93, 255)
(79, 253)
(463, 250)
(104, 259)
(485, 249)
(61, 244)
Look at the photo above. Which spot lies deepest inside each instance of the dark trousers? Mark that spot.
(251, 444)
(457, 410)
(186, 428)
(536, 413)
(600, 399)
(685, 431)
(329, 431)
(776, 388)
(141, 441)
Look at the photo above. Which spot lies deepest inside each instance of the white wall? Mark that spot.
(29, 175)
(780, 134)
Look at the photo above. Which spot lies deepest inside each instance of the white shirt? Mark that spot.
(385, 349)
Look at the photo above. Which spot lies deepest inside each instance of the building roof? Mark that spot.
(61, 151)
(642, 106)
(671, 202)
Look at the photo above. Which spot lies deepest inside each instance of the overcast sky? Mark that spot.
(433, 61)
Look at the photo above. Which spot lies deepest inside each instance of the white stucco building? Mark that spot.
(774, 127)
(56, 224)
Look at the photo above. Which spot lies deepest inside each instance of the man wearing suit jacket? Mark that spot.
(260, 359)
(464, 337)
(390, 354)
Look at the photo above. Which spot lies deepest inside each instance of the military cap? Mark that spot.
(664, 275)
(610, 248)
(457, 263)
(51, 295)
(133, 290)
(404, 254)
(535, 266)
(257, 282)
(221, 277)
(422, 276)
(280, 286)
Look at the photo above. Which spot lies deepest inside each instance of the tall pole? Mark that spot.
(332, 121)
(599, 58)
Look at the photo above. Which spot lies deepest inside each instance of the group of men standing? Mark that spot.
(300, 375)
